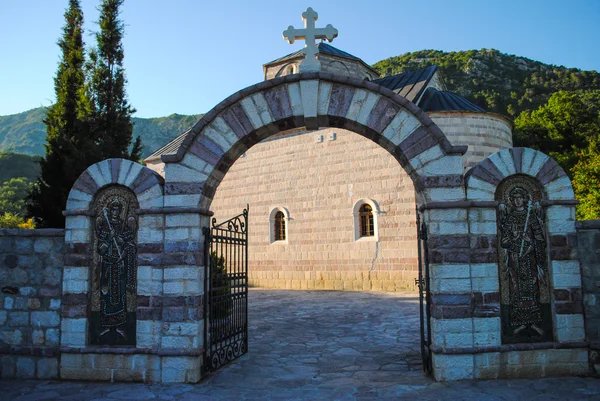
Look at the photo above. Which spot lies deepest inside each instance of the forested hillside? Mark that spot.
(26, 133)
(498, 82)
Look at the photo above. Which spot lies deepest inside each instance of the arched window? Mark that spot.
(278, 220)
(367, 226)
(279, 228)
(366, 213)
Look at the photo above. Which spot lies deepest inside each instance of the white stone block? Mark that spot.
(365, 110)
(452, 325)
(193, 287)
(534, 161)
(75, 194)
(221, 127)
(486, 339)
(481, 270)
(77, 235)
(433, 153)
(485, 190)
(78, 222)
(489, 227)
(357, 102)
(453, 215)
(486, 325)
(77, 204)
(444, 194)
(453, 367)
(183, 220)
(70, 325)
(566, 267)
(295, 99)
(401, 126)
(323, 99)
(560, 212)
(181, 342)
(309, 91)
(134, 171)
(151, 198)
(485, 284)
(173, 288)
(458, 340)
(450, 271)
(194, 162)
(452, 285)
(262, 108)
(181, 329)
(566, 280)
(445, 165)
(124, 171)
(75, 286)
(144, 273)
(148, 235)
(75, 273)
(570, 328)
(507, 160)
(179, 173)
(251, 111)
(217, 137)
(482, 215)
(182, 200)
(94, 171)
(560, 188)
(182, 272)
(105, 170)
(75, 340)
(561, 226)
(150, 287)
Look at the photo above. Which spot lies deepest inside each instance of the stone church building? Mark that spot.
(330, 209)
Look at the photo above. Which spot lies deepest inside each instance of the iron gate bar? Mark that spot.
(423, 283)
(226, 289)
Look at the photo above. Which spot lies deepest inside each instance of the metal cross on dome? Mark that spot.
(310, 34)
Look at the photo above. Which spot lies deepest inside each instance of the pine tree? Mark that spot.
(111, 111)
(68, 149)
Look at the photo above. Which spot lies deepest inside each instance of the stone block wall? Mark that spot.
(588, 233)
(318, 177)
(31, 274)
(484, 133)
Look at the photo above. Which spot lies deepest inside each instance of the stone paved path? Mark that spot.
(321, 346)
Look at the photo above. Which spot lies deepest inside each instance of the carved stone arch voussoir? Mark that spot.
(483, 178)
(144, 182)
(312, 101)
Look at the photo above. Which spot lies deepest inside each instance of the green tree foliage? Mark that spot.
(566, 125)
(14, 165)
(12, 196)
(111, 112)
(567, 128)
(498, 82)
(586, 183)
(69, 149)
(11, 220)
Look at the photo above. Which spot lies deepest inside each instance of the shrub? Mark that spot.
(12, 220)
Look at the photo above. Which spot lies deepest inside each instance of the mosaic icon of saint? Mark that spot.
(117, 256)
(522, 237)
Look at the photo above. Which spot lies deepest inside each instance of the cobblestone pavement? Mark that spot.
(320, 345)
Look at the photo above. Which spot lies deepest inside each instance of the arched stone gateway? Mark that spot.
(465, 298)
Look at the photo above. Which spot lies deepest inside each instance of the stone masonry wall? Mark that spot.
(484, 133)
(31, 270)
(588, 233)
(319, 184)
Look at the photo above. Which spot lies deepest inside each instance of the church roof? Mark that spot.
(435, 100)
(170, 148)
(409, 84)
(323, 48)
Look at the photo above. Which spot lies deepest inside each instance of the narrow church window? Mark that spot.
(279, 228)
(367, 228)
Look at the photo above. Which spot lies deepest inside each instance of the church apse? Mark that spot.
(523, 262)
(113, 287)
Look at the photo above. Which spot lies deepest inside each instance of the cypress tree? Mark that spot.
(68, 146)
(111, 111)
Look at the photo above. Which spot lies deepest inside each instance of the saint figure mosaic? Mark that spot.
(523, 263)
(115, 265)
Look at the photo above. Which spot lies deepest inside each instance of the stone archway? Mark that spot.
(311, 100)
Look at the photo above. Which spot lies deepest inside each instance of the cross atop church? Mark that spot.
(310, 34)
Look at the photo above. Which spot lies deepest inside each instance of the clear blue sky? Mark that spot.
(185, 56)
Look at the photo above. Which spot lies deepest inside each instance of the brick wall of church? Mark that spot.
(484, 133)
(319, 184)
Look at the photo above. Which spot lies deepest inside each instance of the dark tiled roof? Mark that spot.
(435, 100)
(323, 48)
(409, 84)
(169, 148)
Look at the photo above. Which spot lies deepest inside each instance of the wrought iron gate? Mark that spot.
(226, 289)
(424, 294)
